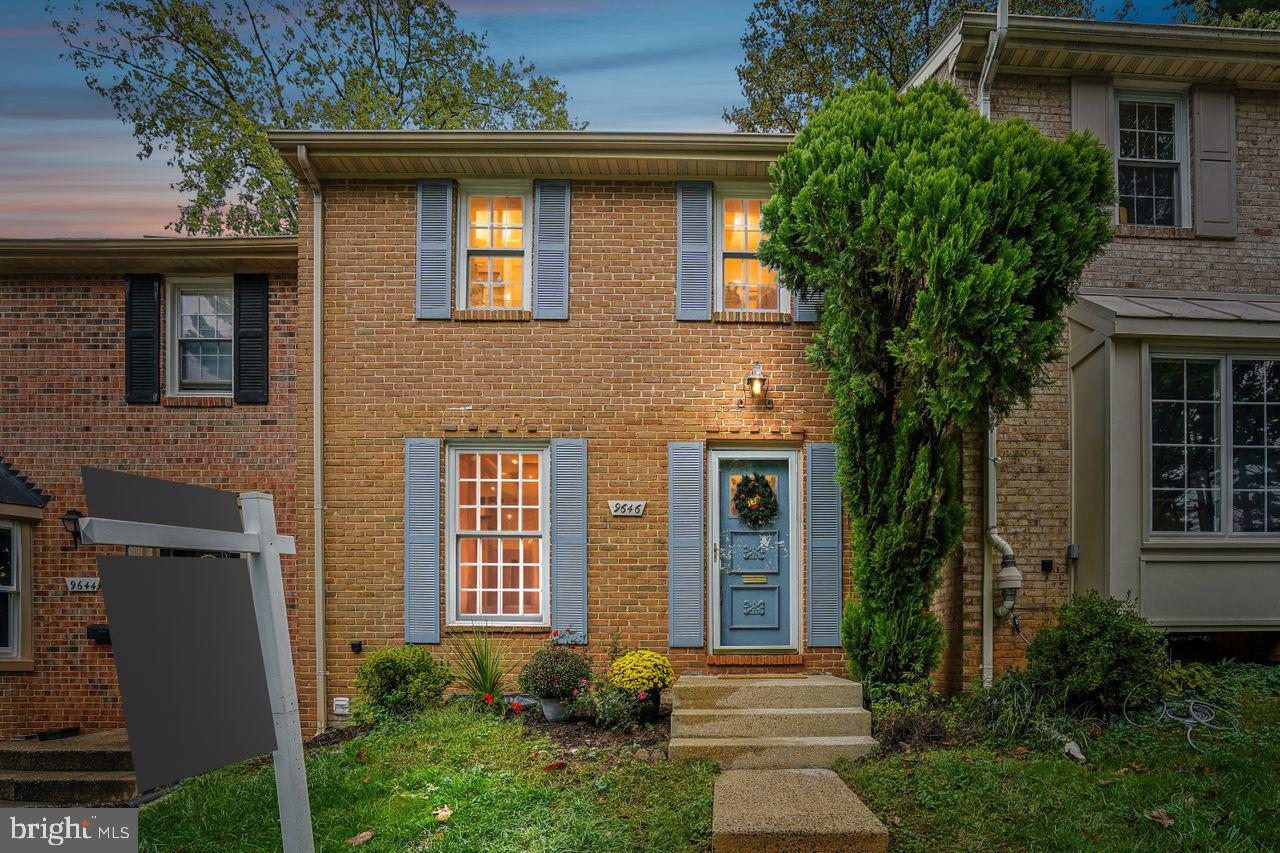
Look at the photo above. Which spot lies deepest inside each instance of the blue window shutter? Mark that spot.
(824, 524)
(805, 308)
(422, 540)
(569, 539)
(686, 544)
(435, 243)
(696, 250)
(551, 250)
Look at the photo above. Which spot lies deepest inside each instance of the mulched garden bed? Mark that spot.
(581, 734)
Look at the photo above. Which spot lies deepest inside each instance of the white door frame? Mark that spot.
(792, 458)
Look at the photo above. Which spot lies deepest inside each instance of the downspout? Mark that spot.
(317, 426)
(1009, 580)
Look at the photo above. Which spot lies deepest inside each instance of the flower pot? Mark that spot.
(650, 706)
(555, 711)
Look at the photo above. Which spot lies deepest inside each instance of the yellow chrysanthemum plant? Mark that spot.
(641, 671)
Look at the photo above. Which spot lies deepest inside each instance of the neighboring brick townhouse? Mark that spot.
(88, 331)
(548, 362)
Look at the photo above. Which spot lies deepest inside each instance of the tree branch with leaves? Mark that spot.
(203, 81)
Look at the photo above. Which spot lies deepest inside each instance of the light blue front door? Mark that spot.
(754, 563)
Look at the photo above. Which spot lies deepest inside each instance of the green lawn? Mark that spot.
(508, 791)
(490, 773)
(980, 798)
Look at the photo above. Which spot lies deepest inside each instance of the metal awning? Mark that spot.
(1180, 314)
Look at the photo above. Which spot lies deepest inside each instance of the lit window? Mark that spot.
(746, 284)
(495, 243)
(201, 327)
(1151, 154)
(499, 534)
(10, 612)
(1193, 454)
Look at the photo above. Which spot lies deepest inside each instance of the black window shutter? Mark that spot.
(142, 339)
(252, 318)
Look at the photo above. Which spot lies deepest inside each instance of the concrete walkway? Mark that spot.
(789, 811)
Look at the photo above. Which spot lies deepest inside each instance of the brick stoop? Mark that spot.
(769, 722)
(88, 769)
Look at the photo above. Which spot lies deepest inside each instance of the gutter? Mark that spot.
(1009, 580)
(317, 427)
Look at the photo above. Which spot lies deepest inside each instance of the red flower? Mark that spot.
(488, 698)
(575, 692)
(642, 695)
(555, 633)
(517, 707)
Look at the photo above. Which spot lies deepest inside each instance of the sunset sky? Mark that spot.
(69, 166)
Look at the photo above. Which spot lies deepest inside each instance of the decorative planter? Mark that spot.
(554, 711)
(651, 706)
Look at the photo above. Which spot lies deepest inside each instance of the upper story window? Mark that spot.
(1203, 438)
(201, 335)
(10, 611)
(1151, 167)
(495, 246)
(745, 283)
(498, 528)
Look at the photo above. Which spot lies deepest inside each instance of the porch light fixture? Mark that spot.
(756, 387)
(71, 524)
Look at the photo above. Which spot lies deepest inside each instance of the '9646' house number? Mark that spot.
(628, 508)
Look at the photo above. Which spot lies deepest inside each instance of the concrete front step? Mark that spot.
(771, 752)
(771, 811)
(66, 786)
(100, 751)
(806, 691)
(769, 722)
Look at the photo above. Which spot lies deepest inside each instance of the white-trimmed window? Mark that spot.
(1151, 158)
(201, 327)
(493, 248)
(10, 589)
(499, 534)
(743, 283)
(1215, 444)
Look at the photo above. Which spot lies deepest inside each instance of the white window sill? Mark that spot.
(506, 626)
(1237, 541)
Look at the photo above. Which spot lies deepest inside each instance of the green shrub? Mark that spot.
(402, 680)
(609, 707)
(910, 716)
(1180, 677)
(1098, 651)
(555, 672)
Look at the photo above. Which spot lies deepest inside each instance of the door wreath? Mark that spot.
(755, 501)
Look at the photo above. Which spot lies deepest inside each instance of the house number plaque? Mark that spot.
(81, 584)
(627, 508)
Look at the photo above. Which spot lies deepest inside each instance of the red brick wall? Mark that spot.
(621, 372)
(1034, 442)
(63, 406)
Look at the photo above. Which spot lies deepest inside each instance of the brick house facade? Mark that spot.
(618, 374)
(62, 306)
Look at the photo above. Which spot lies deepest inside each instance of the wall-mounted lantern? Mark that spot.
(756, 388)
(71, 524)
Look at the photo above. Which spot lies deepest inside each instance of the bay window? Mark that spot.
(10, 590)
(498, 534)
(1215, 444)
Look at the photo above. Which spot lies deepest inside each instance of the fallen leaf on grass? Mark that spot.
(1161, 817)
(1222, 818)
(365, 780)
(442, 814)
(1105, 782)
(895, 820)
(356, 841)
(1096, 839)
(1020, 750)
(555, 765)
(360, 757)
(1138, 768)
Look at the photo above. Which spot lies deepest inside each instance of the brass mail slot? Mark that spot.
(754, 579)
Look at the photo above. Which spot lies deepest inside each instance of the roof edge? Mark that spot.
(144, 254)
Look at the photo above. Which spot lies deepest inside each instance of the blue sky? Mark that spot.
(68, 167)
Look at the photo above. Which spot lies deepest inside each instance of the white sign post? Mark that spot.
(263, 546)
